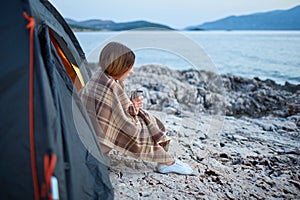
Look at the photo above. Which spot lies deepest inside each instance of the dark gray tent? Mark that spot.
(45, 130)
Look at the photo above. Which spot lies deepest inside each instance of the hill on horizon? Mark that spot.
(272, 20)
(108, 25)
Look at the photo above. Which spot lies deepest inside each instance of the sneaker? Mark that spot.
(178, 167)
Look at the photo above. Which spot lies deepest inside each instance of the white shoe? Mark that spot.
(178, 167)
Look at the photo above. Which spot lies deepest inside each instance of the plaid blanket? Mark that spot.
(119, 125)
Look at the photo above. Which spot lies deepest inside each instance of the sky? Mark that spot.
(174, 13)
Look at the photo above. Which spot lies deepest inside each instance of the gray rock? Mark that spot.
(202, 91)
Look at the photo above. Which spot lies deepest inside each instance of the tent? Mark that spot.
(49, 149)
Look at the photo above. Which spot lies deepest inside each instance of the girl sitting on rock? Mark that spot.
(120, 121)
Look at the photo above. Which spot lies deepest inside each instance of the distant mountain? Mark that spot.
(108, 25)
(273, 20)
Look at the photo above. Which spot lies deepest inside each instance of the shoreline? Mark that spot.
(246, 156)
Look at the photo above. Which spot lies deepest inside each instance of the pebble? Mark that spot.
(239, 137)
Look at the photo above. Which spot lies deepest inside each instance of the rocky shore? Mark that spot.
(242, 136)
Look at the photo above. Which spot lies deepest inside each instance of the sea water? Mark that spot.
(271, 55)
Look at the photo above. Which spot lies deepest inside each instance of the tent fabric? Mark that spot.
(63, 135)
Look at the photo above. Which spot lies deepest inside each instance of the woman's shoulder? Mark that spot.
(101, 82)
(100, 78)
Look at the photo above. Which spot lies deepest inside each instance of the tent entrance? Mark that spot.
(72, 69)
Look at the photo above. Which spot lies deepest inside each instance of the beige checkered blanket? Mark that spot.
(117, 123)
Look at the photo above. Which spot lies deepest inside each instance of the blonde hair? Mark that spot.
(116, 59)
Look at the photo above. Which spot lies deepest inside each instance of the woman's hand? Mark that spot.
(138, 102)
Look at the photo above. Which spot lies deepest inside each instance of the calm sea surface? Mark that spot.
(265, 54)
